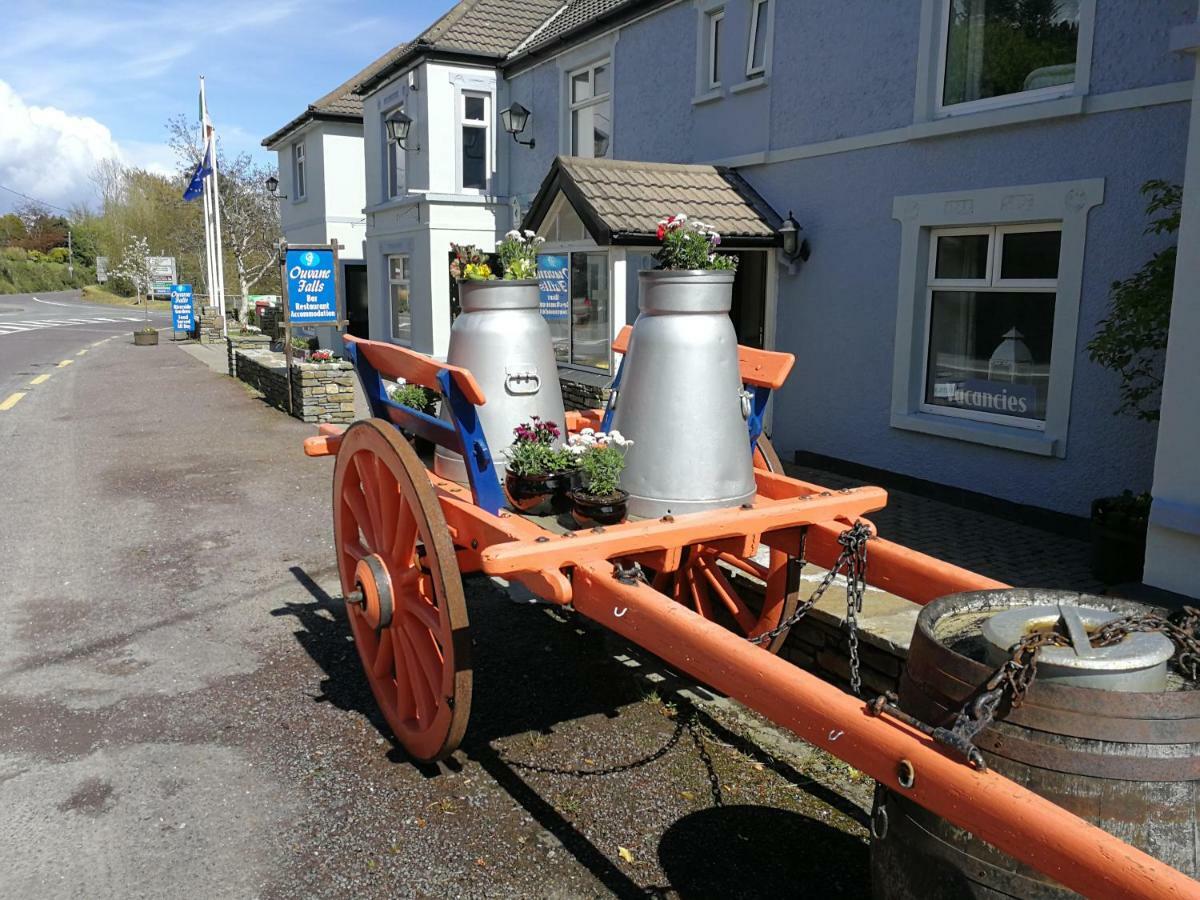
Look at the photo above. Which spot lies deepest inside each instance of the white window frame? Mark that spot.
(299, 172)
(407, 267)
(484, 125)
(759, 71)
(1066, 204)
(931, 68)
(595, 100)
(393, 156)
(713, 20)
(991, 283)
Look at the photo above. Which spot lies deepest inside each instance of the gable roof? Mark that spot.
(340, 103)
(488, 29)
(621, 202)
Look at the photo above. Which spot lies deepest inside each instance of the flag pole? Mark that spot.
(217, 225)
(209, 258)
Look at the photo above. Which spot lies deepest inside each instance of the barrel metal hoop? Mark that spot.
(1101, 765)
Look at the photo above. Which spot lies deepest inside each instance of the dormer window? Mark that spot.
(476, 141)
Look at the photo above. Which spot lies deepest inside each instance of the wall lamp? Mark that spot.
(514, 120)
(794, 246)
(272, 184)
(398, 125)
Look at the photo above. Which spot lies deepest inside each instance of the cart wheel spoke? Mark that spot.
(729, 596)
(406, 565)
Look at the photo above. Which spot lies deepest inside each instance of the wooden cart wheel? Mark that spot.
(705, 583)
(404, 592)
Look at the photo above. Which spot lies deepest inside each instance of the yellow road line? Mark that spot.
(65, 363)
(97, 343)
(11, 400)
(81, 352)
(40, 378)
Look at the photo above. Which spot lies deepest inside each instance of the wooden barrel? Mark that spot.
(1127, 762)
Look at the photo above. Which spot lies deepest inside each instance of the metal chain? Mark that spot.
(852, 559)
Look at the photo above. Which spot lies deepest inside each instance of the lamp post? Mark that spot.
(398, 125)
(514, 120)
(272, 185)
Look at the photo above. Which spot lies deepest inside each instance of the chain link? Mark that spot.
(853, 560)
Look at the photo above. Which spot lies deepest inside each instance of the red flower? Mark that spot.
(662, 231)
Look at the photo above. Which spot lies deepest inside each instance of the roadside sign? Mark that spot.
(311, 286)
(101, 269)
(182, 318)
(162, 276)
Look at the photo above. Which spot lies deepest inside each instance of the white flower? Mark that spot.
(538, 240)
(528, 234)
(513, 235)
(617, 438)
(680, 218)
(587, 431)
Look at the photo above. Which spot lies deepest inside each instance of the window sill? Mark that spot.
(750, 84)
(1015, 114)
(1019, 439)
(708, 97)
(296, 201)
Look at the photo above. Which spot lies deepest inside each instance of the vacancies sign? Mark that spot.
(310, 278)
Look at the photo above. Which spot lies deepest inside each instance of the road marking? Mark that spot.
(65, 362)
(41, 378)
(81, 352)
(98, 343)
(11, 400)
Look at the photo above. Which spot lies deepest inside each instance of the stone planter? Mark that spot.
(145, 338)
(236, 342)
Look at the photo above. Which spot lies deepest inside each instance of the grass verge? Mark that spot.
(93, 293)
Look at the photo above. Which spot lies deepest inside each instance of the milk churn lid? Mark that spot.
(477, 296)
(1136, 663)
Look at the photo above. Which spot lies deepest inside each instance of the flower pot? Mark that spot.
(145, 338)
(1118, 537)
(539, 494)
(589, 510)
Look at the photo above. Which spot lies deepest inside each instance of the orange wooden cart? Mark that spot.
(404, 537)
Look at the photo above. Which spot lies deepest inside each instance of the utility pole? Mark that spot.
(70, 254)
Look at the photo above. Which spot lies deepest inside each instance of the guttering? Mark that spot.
(422, 50)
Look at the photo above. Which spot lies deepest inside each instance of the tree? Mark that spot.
(249, 213)
(44, 230)
(135, 268)
(12, 230)
(1132, 338)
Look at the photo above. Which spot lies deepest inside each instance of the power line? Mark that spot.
(34, 199)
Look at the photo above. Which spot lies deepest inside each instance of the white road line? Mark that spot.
(53, 303)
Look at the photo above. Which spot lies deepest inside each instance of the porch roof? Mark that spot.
(622, 201)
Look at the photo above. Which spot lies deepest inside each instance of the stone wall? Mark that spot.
(208, 326)
(235, 342)
(581, 394)
(269, 322)
(321, 392)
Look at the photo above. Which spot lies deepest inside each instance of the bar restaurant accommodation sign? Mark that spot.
(182, 311)
(310, 280)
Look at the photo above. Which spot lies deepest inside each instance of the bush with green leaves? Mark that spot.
(415, 396)
(1132, 338)
(518, 254)
(690, 244)
(600, 459)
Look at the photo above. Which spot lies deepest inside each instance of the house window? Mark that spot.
(475, 142)
(581, 327)
(394, 156)
(1000, 48)
(760, 32)
(991, 297)
(298, 173)
(714, 21)
(591, 111)
(398, 282)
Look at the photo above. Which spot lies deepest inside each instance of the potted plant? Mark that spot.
(321, 356)
(422, 399)
(539, 474)
(146, 336)
(300, 346)
(600, 458)
(1118, 532)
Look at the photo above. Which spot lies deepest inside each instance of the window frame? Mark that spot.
(760, 71)
(574, 106)
(1067, 202)
(299, 172)
(392, 282)
(713, 18)
(991, 284)
(484, 125)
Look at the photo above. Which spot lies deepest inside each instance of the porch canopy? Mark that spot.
(620, 202)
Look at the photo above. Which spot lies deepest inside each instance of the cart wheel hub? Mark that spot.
(373, 581)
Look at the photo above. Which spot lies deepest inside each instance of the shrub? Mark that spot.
(600, 458)
(415, 396)
(689, 244)
(533, 452)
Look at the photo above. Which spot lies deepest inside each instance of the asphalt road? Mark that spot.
(182, 712)
(38, 331)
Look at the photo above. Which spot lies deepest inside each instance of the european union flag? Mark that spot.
(203, 169)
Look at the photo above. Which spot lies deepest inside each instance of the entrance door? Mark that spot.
(356, 299)
(749, 311)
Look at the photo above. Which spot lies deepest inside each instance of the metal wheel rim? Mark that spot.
(418, 667)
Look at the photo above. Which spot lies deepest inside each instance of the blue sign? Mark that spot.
(311, 285)
(553, 270)
(182, 317)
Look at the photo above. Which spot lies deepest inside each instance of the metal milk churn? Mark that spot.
(680, 398)
(503, 340)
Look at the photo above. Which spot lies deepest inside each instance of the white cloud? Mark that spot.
(50, 154)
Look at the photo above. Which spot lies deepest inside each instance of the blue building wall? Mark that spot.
(833, 78)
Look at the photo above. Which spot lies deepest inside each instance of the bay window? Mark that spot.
(475, 141)
(590, 93)
(1000, 49)
(398, 289)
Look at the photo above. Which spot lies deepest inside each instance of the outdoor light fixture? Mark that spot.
(514, 120)
(794, 246)
(398, 125)
(272, 184)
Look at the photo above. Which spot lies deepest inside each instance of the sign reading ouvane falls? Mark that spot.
(311, 284)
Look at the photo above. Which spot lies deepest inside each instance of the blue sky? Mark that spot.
(80, 81)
